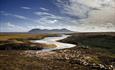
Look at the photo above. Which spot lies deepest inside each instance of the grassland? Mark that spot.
(93, 51)
(8, 36)
(99, 45)
(22, 41)
(94, 40)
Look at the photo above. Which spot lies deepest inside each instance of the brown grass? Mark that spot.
(22, 41)
(21, 36)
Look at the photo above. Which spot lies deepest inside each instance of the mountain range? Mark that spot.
(50, 31)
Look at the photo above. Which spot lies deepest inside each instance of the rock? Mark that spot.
(101, 66)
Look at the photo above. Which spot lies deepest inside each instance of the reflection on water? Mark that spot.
(52, 40)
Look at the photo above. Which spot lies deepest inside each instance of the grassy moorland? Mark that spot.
(95, 40)
(22, 41)
(18, 36)
(93, 51)
(98, 47)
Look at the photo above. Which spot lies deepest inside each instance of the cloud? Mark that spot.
(73, 8)
(89, 16)
(13, 15)
(26, 8)
(12, 27)
(82, 8)
(98, 3)
(41, 13)
(4, 13)
(102, 17)
(53, 21)
(19, 16)
(44, 9)
(48, 15)
(95, 15)
(49, 20)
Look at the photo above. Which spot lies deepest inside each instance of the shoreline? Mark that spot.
(79, 57)
(54, 40)
(89, 58)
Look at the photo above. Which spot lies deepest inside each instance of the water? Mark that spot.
(53, 40)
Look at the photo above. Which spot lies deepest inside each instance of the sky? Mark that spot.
(75, 15)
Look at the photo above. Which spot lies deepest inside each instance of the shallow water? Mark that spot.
(53, 40)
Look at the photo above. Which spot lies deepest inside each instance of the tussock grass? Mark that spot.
(24, 36)
(22, 41)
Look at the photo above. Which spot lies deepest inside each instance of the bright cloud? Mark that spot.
(44, 9)
(11, 27)
(98, 3)
(19, 16)
(53, 21)
(76, 15)
(26, 8)
(73, 8)
(96, 15)
(41, 13)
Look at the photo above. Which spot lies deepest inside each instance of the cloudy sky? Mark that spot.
(75, 15)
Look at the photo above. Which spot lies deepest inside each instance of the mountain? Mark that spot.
(50, 31)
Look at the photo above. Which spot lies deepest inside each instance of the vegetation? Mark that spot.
(98, 47)
(93, 51)
(4, 36)
(95, 40)
(22, 41)
(13, 60)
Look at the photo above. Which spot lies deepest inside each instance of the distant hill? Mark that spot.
(50, 31)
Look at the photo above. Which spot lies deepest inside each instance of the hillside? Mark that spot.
(50, 31)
